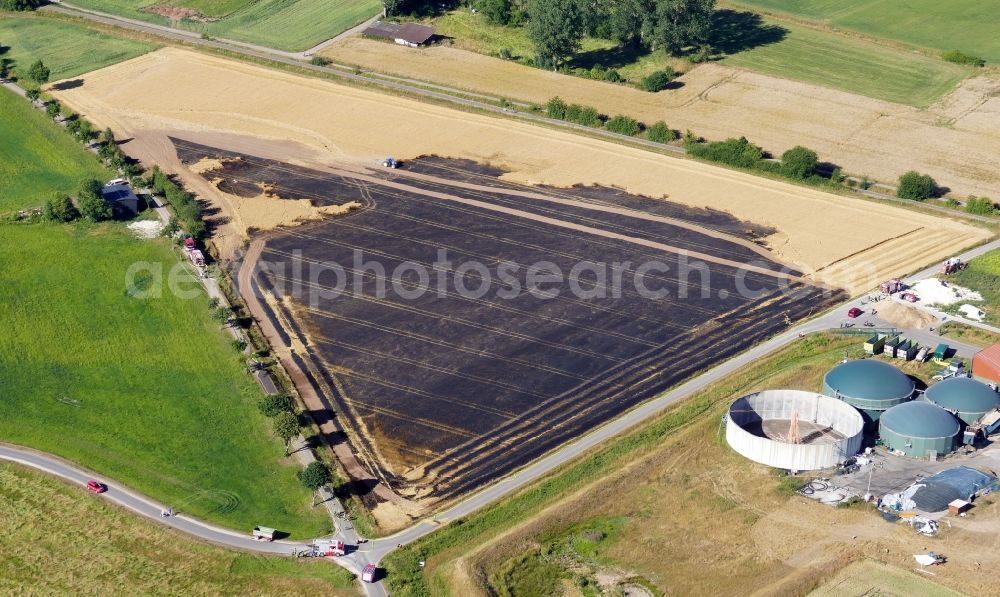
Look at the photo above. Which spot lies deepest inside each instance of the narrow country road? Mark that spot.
(374, 551)
(144, 506)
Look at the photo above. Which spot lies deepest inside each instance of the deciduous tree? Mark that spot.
(38, 72)
(286, 428)
(91, 204)
(314, 476)
(556, 28)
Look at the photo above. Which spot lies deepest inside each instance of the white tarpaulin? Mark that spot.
(925, 559)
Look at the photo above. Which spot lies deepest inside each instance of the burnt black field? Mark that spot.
(445, 392)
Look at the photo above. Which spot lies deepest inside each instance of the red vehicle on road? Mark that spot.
(854, 312)
(368, 574)
(96, 486)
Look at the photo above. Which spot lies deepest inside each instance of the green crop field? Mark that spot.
(68, 49)
(37, 158)
(148, 391)
(853, 65)
(290, 25)
(58, 540)
(967, 25)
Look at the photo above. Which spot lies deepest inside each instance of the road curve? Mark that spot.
(144, 506)
(374, 551)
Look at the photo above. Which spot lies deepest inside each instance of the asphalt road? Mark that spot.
(374, 551)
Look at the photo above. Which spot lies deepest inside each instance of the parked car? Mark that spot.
(96, 486)
(854, 312)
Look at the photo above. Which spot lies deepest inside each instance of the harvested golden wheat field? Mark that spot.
(956, 140)
(841, 240)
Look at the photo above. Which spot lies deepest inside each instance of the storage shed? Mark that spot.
(986, 364)
(405, 34)
(123, 201)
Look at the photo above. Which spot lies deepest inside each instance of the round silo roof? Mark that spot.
(920, 420)
(869, 379)
(963, 394)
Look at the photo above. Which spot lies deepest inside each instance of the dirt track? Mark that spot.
(957, 140)
(318, 123)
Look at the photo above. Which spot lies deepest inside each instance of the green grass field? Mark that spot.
(147, 391)
(967, 25)
(58, 540)
(803, 54)
(37, 158)
(68, 49)
(290, 25)
(853, 65)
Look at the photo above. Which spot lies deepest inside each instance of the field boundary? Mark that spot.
(460, 99)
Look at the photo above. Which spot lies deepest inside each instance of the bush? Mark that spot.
(959, 57)
(556, 108)
(837, 176)
(916, 186)
(319, 61)
(624, 125)
(584, 115)
(496, 11)
(60, 209)
(690, 138)
(506, 54)
(52, 108)
(983, 206)
(799, 162)
(32, 94)
(612, 76)
(274, 404)
(13, 5)
(734, 152)
(658, 81)
(660, 132)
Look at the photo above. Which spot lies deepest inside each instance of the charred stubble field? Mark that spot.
(453, 374)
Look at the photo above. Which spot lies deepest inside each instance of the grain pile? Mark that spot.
(904, 316)
(184, 92)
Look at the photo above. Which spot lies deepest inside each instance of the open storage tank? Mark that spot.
(759, 426)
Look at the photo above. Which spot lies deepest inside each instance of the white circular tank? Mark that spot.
(759, 426)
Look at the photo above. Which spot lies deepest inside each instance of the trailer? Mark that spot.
(875, 344)
(922, 354)
(906, 350)
(941, 352)
(263, 533)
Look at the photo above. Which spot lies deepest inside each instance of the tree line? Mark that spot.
(557, 27)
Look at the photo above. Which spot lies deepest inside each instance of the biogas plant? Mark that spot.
(800, 431)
